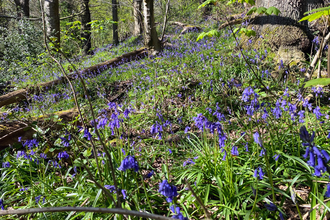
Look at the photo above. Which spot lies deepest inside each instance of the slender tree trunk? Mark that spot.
(115, 19)
(23, 8)
(86, 28)
(137, 13)
(150, 35)
(52, 20)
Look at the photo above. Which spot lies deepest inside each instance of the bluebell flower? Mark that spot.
(111, 188)
(63, 154)
(188, 162)
(327, 193)
(234, 151)
(150, 174)
(271, 207)
(38, 199)
(186, 130)
(20, 154)
(87, 134)
(43, 155)
(168, 190)
(1, 204)
(123, 191)
(64, 142)
(129, 162)
(178, 214)
(276, 156)
(246, 147)
(6, 164)
(262, 152)
(156, 129)
(256, 138)
(126, 112)
(325, 155)
(260, 172)
(317, 112)
(306, 137)
(224, 156)
(102, 123)
(277, 111)
(301, 116)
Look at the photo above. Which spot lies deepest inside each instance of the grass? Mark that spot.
(182, 117)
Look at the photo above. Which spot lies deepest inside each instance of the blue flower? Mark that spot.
(123, 191)
(261, 173)
(187, 162)
(126, 112)
(38, 199)
(87, 134)
(150, 174)
(44, 156)
(168, 190)
(178, 214)
(63, 154)
(256, 138)
(1, 204)
(224, 156)
(111, 188)
(234, 151)
(186, 130)
(156, 128)
(246, 147)
(6, 164)
(262, 152)
(271, 207)
(129, 162)
(327, 193)
(65, 142)
(325, 155)
(306, 137)
(276, 156)
(317, 112)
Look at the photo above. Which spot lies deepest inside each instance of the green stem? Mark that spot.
(146, 194)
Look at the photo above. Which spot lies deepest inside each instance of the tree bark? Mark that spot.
(150, 35)
(86, 28)
(137, 14)
(115, 19)
(52, 20)
(23, 8)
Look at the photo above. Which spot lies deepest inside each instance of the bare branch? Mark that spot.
(84, 209)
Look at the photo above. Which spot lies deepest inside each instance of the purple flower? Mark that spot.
(262, 152)
(327, 193)
(224, 156)
(306, 137)
(20, 154)
(317, 112)
(5, 164)
(38, 198)
(1, 204)
(271, 207)
(256, 138)
(44, 156)
(187, 162)
(178, 214)
(129, 162)
(111, 188)
(150, 174)
(234, 151)
(157, 128)
(126, 112)
(168, 190)
(63, 154)
(276, 156)
(123, 191)
(65, 142)
(87, 134)
(246, 147)
(186, 130)
(325, 155)
(260, 172)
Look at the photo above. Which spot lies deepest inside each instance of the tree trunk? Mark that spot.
(115, 19)
(23, 8)
(137, 13)
(52, 20)
(150, 35)
(86, 28)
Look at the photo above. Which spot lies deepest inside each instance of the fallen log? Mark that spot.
(22, 94)
(186, 27)
(10, 131)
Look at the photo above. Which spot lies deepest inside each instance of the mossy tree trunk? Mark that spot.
(52, 20)
(137, 14)
(86, 28)
(150, 34)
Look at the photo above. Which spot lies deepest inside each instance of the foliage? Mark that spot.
(21, 49)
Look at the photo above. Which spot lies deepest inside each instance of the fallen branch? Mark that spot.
(22, 94)
(83, 209)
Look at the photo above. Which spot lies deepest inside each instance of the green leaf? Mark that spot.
(206, 3)
(211, 33)
(272, 10)
(320, 81)
(252, 10)
(261, 10)
(315, 16)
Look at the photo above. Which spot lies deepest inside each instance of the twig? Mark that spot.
(84, 209)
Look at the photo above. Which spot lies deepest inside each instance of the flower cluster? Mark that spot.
(167, 190)
(313, 153)
(178, 214)
(129, 162)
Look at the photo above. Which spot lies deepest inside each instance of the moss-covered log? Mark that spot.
(10, 131)
(22, 94)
